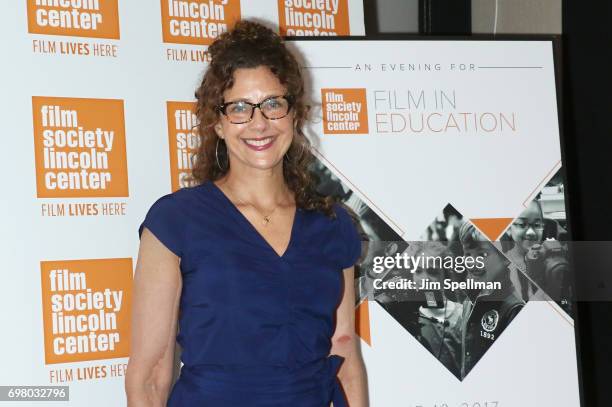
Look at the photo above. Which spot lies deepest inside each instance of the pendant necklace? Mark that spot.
(266, 218)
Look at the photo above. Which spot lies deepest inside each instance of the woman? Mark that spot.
(537, 254)
(486, 312)
(525, 231)
(252, 264)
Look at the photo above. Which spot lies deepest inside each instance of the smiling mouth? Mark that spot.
(260, 143)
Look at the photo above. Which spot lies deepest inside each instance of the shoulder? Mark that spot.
(187, 194)
(163, 205)
(339, 215)
(342, 220)
(513, 299)
(511, 306)
(343, 215)
(181, 199)
(173, 217)
(349, 234)
(168, 211)
(337, 234)
(169, 203)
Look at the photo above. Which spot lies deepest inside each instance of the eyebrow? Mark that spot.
(272, 95)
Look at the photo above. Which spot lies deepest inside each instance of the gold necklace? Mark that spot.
(266, 218)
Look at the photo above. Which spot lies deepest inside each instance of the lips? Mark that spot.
(259, 144)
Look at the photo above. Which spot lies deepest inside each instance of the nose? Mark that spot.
(530, 231)
(258, 122)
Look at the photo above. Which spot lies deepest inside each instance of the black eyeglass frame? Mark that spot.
(223, 107)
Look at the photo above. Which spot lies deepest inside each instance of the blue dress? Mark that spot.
(255, 328)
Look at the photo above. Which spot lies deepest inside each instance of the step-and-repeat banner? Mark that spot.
(96, 111)
(418, 138)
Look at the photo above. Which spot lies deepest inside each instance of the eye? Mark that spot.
(237, 107)
(519, 223)
(274, 103)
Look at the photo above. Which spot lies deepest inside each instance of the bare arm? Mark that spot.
(157, 288)
(345, 343)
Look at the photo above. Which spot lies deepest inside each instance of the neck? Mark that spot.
(263, 188)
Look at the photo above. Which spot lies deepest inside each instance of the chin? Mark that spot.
(263, 159)
(264, 164)
(259, 160)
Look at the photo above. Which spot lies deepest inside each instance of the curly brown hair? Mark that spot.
(251, 45)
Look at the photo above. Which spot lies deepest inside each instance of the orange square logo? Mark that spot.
(183, 141)
(313, 18)
(345, 111)
(86, 309)
(83, 18)
(79, 147)
(197, 22)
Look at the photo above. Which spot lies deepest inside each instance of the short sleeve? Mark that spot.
(163, 220)
(350, 238)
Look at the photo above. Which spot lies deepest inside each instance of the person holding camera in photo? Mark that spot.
(486, 313)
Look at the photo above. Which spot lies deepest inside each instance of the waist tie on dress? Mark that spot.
(256, 377)
(337, 395)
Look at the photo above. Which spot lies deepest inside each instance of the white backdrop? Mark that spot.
(119, 78)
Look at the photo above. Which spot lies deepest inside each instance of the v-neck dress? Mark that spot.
(255, 327)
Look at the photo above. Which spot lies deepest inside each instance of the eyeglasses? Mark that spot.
(521, 224)
(241, 111)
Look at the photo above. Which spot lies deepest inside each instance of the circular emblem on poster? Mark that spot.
(489, 320)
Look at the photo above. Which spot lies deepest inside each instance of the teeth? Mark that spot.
(259, 143)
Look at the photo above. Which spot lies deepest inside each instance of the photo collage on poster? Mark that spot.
(530, 260)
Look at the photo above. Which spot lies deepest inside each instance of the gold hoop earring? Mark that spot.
(217, 154)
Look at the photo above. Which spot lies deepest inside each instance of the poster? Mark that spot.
(444, 149)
